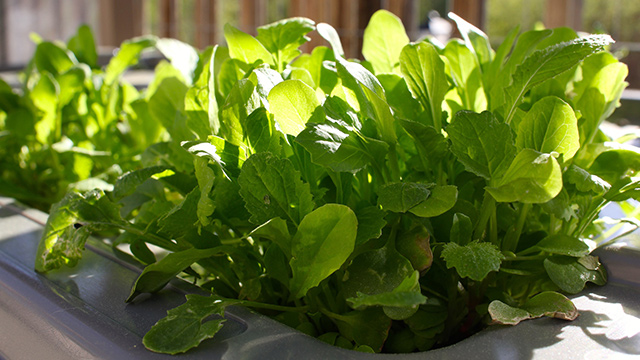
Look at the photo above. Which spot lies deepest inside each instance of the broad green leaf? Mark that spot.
(432, 145)
(550, 126)
(271, 187)
(613, 161)
(462, 64)
(404, 105)
(424, 72)
(242, 101)
(392, 299)
(335, 147)
(324, 241)
(127, 183)
(368, 327)
(265, 79)
(331, 35)
(183, 57)
(441, 200)
(155, 276)
(196, 108)
(187, 325)
(561, 244)
(206, 178)
(414, 245)
(245, 47)
(128, 55)
(277, 231)
(62, 242)
(599, 92)
(370, 95)
(370, 224)
(45, 97)
(532, 178)
(475, 39)
(378, 271)
(83, 46)
(71, 83)
(294, 103)
(484, 145)
(282, 38)
(571, 275)
(547, 303)
(182, 217)
(323, 77)
(261, 132)
(584, 181)
(461, 229)
(547, 64)
(474, 260)
(52, 58)
(402, 196)
(218, 56)
(384, 38)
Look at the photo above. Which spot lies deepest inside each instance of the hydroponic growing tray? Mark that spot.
(80, 313)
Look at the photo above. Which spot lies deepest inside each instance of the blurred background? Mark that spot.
(200, 22)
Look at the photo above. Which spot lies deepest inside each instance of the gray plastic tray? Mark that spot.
(80, 313)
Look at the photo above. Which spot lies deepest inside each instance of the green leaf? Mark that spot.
(183, 217)
(271, 187)
(337, 148)
(261, 132)
(482, 144)
(324, 241)
(245, 47)
(377, 272)
(277, 231)
(441, 200)
(243, 99)
(62, 243)
(294, 103)
(424, 72)
(45, 97)
(392, 299)
(403, 196)
(571, 275)
(461, 229)
(128, 55)
(83, 46)
(547, 303)
(599, 92)
(463, 65)
(368, 327)
(370, 224)
(127, 183)
(414, 245)
(185, 326)
(404, 105)
(475, 39)
(52, 58)
(331, 35)
(547, 64)
(532, 178)
(474, 260)
(322, 77)
(584, 181)
(282, 38)
(550, 126)
(155, 276)
(182, 56)
(206, 178)
(384, 38)
(561, 244)
(166, 104)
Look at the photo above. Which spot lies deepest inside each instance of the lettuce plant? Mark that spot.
(395, 204)
(75, 125)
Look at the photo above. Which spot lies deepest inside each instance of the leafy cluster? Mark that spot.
(75, 125)
(394, 204)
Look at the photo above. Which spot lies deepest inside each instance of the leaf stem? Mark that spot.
(259, 305)
(511, 241)
(487, 209)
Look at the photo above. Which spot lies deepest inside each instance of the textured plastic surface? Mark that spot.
(80, 313)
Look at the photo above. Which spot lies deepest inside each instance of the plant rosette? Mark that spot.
(395, 204)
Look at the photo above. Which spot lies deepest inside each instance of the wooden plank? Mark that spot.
(119, 20)
(3, 35)
(470, 10)
(563, 13)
